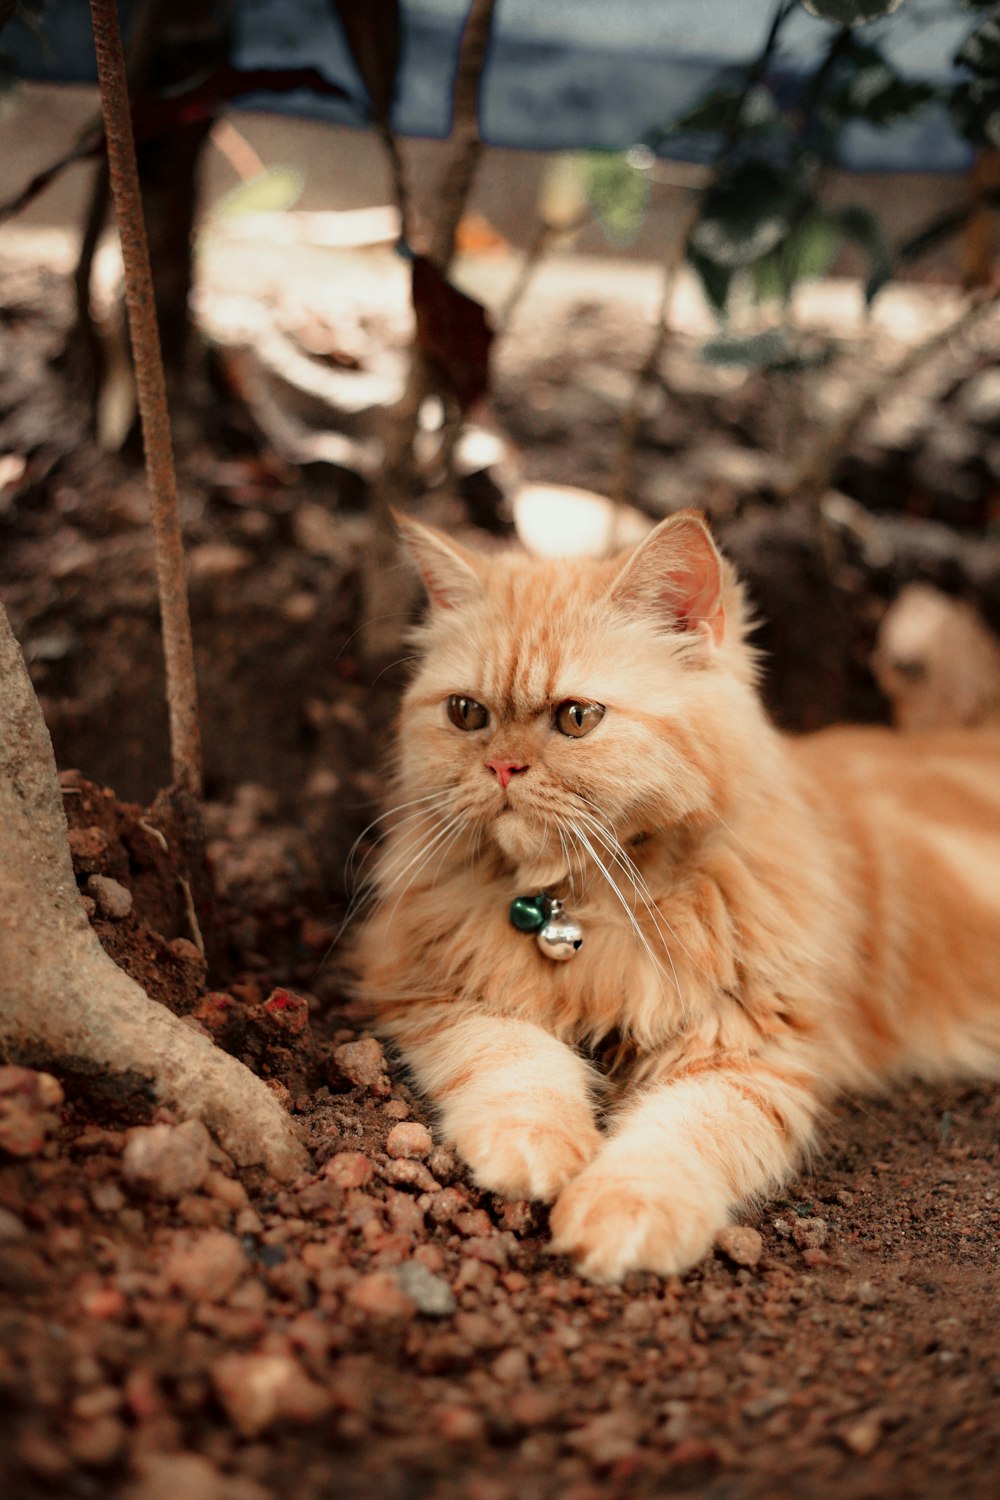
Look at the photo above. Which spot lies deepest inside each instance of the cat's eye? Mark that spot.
(577, 719)
(466, 713)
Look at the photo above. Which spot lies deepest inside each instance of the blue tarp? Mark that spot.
(562, 74)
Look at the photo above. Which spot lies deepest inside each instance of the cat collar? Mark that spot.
(558, 936)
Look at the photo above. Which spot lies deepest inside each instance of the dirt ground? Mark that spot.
(379, 1327)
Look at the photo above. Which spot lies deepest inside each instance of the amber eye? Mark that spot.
(466, 713)
(577, 719)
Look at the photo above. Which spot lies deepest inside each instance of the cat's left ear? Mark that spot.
(676, 574)
(449, 572)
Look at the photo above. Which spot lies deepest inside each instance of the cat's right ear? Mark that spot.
(676, 576)
(450, 573)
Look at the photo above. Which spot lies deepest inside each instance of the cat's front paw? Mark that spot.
(614, 1221)
(527, 1158)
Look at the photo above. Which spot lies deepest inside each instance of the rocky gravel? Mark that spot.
(382, 1328)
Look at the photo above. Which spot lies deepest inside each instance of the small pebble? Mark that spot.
(348, 1169)
(98, 1443)
(742, 1245)
(111, 897)
(411, 1174)
(107, 1197)
(861, 1436)
(207, 1266)
(167, 1160)
(363, 1064)
(409, 1140)
(458, 1424)
(29, 1102)
(809, 1234)
(167, 1476)
(380, 1295)
(259, 1390)
(432, 1294)
(11, 1228)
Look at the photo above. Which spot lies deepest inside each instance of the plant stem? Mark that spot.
(622, 473)
(386, 596)
(185, 734)
(814, 473)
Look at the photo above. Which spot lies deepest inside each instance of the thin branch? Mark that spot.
(386, 598)
(621, 477)
(467, 145)
(185, 734)
(545, 235)
(814, 473)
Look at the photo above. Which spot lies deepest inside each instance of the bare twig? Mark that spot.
(237, 150)
(386, 598)
(191, 914)
(544, 236)
(185, 734)
(146, 21)
(467, 145)
(813, 474)
(621, 476)
(398, 174)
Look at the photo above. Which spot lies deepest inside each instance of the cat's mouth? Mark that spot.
(522, 836)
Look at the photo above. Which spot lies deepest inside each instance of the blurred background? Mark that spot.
(536, 273)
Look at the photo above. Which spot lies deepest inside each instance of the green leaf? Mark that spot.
(757, 350)
(752, 112)
(746, 213)
(807, 252)
(272, 191)
(975, 109)
(862, 227)
(715, 280)
(771, 349)
(937, 232)
(618, 193)
(981, 52)
(851, 12)
(876, 93)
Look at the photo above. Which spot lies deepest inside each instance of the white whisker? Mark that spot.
(442, 795)
(629, 912)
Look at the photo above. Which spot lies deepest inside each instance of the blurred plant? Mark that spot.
(452, 334)
(761, 226)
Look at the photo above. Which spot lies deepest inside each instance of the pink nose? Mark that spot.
(503, 770)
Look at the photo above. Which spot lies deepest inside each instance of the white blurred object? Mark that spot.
(937, 662)
(557, 520)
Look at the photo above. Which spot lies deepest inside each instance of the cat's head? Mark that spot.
(567, 703)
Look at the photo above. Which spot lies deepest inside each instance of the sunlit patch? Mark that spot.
(557, 520)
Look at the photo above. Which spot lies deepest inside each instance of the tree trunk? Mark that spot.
(64, 1004)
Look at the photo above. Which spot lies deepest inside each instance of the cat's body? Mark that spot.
(791, 918)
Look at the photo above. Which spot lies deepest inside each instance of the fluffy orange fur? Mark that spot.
(767, 920)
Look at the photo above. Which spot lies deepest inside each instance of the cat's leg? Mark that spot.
(680, 1158)
(516, 1101)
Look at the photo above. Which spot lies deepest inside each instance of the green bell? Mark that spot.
(528, 913)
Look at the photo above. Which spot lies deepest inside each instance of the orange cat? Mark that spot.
(764, 920)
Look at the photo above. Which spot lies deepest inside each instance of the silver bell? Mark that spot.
(561, 937)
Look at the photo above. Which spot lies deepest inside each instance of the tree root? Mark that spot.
(62, 999)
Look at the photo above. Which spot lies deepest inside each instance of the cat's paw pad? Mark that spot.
(527, 1158)
(611, 1223)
